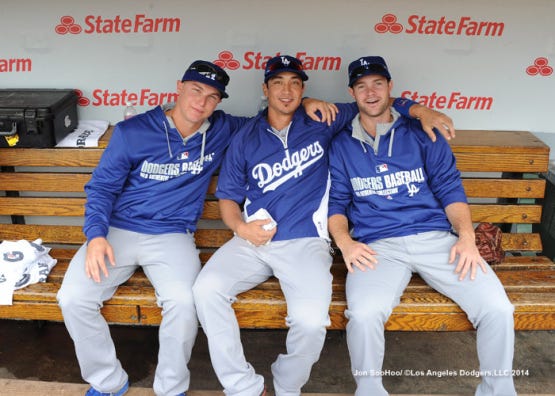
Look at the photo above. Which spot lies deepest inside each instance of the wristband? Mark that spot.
(402, 105)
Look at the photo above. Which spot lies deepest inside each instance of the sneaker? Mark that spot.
(94, 392)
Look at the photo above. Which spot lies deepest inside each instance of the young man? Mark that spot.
(402, 196)
(278, 166)
(143, 203)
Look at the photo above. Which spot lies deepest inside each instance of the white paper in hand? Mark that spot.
(262, 214)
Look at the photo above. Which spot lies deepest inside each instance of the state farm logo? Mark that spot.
(417, 24)
(454, 100)
(96, 24)
(144, 97)
(257, 61)
(540, 67)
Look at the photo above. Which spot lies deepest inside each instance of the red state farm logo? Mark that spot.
(225, 61)
(388, 24)
(419, 24)
(257, 61)
(540, 67)
(82, 100)
(68, 25)
(97, 24)
(454, 100)
(143, 97)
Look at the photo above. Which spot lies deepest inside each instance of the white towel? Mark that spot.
(87, 134)
(22, 263)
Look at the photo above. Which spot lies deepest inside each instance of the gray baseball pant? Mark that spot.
(372, 295)
(171, 263)
(302, 267)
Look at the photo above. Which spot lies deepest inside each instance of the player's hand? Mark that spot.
(469, 258)
(255, 233)
(95, 262)
(359, 255)
(431, 119)
(327, 110)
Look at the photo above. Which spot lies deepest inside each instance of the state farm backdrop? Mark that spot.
(489, 65)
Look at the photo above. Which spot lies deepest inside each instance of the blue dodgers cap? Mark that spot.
(367, 65)
(208, 73)
(284, 63)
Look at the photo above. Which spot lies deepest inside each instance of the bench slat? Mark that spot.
(50, 157)
(503, 188)
(50, 234)
(494, 213)
(49, 182)
(501, 162)
(32, 206)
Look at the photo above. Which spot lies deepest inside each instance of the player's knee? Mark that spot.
(497, 310)
(69, 298)
(367, 313)
(500, 308)
(208, 287)
(309, 319)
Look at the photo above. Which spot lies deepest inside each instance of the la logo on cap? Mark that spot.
(208, 74)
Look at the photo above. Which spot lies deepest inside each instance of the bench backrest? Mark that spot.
(44, 197)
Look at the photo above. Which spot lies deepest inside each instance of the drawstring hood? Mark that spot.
(203, 133)
(168, 140)
(202, 130)
(381, 130)
(390, 148)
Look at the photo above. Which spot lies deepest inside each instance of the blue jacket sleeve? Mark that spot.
(105, 186)
(441, 167)
(340, 191)
(236, 122)
(348, 111)
(232, 180)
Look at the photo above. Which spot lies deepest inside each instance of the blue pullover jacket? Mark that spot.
(399, 186)
(151, 180)
(289, 179)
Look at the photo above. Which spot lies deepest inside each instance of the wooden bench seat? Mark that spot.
(43, 198)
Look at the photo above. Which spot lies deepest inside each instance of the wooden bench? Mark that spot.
(44, 187)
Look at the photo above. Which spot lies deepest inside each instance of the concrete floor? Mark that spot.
(45, 353)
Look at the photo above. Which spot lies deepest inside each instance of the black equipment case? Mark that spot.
(36, 117)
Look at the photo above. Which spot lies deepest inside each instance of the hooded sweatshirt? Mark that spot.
(394, 185)
(152, 180)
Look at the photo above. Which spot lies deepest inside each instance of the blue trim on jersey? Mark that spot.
(150, 181)
(404, 194)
